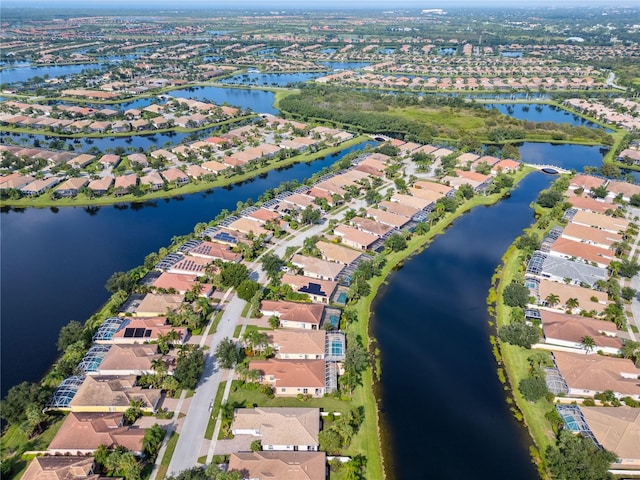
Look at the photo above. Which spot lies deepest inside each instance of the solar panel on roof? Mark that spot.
(147, 333)
(139, 333)
(129, 332)
(313, 288)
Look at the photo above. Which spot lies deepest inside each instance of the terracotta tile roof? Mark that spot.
(280, 425)
(298, 342)
(60, 468)
(353, 235)
(598, 373)
(87, 431)
(280, 465)
(98, 392)
(565, 292)
(591, 234)
(586, 181)
(317, 267)
(574, 327)
(617, 429)
(292, 311)
(589, 253)
(586, 203)
(399, 209)
(137, 357)
(433, 186)
(411, 201)
(291, 373)
(387, 218)
(337, 253)
(159, 304)
(599, 220)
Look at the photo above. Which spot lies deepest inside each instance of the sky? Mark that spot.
(314, 4)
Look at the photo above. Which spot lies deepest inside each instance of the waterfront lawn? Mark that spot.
(15, 443)
(45, 200)
(516, 363)
(242, 397)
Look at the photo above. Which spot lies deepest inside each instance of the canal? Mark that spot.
(55, 263)
(443, 410)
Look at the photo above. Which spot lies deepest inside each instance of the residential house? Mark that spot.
(280, 465)
(71, 187)
(588, 204)
(113, 394)
(354, 238)
(303, 344)
(131, 330)
(317, 268)
(131, 360)
(586, 298)
(173, 175)
(598, 220)
(214, 251)
(568, 331)
(319, 291)
(371, 226)
(156, 304)
(586, 375)
(64, 468)
(590, 235)
(333, 252)
(82, 433)
(617, 429)
(279, 428)
(563, 247)
(294, 315)
(290, 378)
(38, 187)
(81, 161)
(399, 208)
(123, 183)
(153, 179)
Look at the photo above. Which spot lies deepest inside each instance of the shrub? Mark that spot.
(533, 388)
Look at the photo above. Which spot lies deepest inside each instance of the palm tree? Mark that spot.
(552, 299)
(588, 343)
(572, 303)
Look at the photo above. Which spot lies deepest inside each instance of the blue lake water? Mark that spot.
(259, 100)
(54, 265)
(539, 112)
(24, 73)
(271, 79)
(438, 372)
(346, 65)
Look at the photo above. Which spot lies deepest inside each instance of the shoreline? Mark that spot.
(415, 245)
(188, 189)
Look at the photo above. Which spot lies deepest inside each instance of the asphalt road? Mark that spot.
(191, 436)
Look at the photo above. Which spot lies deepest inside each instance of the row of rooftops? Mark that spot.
(578, 372)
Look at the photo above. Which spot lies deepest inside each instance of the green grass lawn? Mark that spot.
(517, 366)
(459, 119)
(211, 425)
(247, 397)
(164, 465)
(15, 443)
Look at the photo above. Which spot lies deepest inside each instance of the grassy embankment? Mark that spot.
(515, 362)
(15, 443)
(44, 201)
